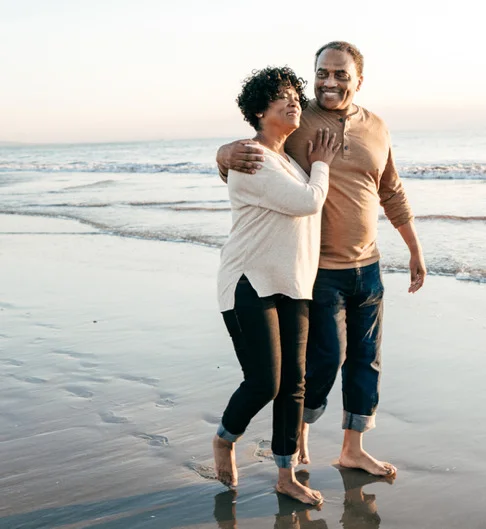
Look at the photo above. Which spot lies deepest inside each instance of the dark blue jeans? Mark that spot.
(345, 331)
(270, 337)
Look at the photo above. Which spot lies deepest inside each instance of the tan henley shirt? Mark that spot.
(362, 176)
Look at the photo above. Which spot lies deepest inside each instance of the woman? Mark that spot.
(268, 267)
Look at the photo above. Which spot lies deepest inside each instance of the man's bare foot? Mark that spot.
(225, 461)
(366, 462)
(299, 492)
(304, 458)
(358, 480)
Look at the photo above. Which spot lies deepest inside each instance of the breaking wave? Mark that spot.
(453, 171)
(108, 167)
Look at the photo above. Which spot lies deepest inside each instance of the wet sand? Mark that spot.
(116, 367)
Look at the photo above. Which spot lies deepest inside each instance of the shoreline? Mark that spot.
(116, 366)
(105, 230)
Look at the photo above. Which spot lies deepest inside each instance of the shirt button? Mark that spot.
(341, 120)
(346, 147)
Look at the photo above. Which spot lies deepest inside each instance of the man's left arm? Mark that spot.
(418, 271)
(397, 208)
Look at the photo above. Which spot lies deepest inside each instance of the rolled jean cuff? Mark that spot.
(358, 423)
(286, 461)
(227, 436)
(311, 416)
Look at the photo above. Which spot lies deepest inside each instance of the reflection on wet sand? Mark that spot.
(225, 509)
(360, 509)
(296, 515)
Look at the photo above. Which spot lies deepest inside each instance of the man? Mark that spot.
(347, 308)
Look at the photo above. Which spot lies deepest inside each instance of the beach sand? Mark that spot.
(116, 367)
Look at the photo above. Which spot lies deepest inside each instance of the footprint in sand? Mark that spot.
(47, 325)
(12, 362)
(94, 378)
(264, 450)
(165, 402)
(73, 354)
(29, 380)
(143, 380)
(205, 471)
(79, 391)
(153, 440)
(110, 418)
(33, 380)
(211, 419)
(88, 365)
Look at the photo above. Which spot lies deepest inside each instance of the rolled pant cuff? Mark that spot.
(311, 416)
(286, 461)
(358, 423)
(227, 436)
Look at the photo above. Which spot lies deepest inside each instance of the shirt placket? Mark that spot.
(346, 146)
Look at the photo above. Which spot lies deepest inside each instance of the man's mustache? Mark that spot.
(334, 91)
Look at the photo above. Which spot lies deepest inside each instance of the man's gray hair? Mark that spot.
(341, 45)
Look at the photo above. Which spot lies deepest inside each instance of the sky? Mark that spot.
(125, 70)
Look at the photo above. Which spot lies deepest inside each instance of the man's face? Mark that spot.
(336, 80)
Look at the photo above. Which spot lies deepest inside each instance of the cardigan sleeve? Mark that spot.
(283, 193)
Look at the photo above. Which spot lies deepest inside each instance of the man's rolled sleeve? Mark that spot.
(392, 195)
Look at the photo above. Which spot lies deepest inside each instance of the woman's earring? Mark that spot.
(259, 115)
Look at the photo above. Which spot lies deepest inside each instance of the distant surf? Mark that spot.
(453, 171)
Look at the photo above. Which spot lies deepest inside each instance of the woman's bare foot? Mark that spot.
(361, 459)
(288, 485)
(304, 458)
(300, 493)
(225, 461)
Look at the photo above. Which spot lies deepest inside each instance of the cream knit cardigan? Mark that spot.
(275, 237)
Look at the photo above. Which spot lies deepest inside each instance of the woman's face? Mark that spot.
(283, 114)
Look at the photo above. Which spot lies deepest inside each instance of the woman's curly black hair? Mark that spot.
(263, 87)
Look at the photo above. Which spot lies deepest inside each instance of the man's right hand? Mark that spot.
(242, 155)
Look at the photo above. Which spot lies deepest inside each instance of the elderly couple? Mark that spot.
(299, 283)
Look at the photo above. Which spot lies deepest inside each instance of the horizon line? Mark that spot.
(15, 143)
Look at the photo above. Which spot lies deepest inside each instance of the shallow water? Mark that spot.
(170, 190)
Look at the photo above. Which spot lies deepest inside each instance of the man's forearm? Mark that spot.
(244, 156)
(418, 269)
(409, 235)
(221, 160)
(223, 173)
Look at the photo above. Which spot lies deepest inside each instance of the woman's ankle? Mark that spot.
(223, 442)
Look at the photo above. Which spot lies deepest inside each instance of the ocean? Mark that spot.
(169, 190)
